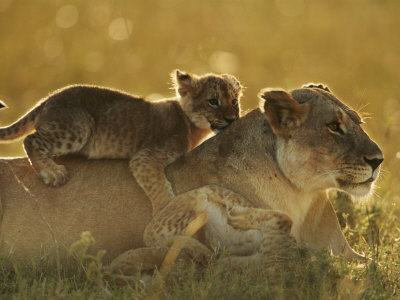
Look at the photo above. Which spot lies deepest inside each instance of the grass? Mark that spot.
(308, 275)
(352, 46)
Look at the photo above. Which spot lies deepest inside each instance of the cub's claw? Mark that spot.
(56, 176)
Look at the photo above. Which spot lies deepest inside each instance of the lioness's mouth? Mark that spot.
(343, 183)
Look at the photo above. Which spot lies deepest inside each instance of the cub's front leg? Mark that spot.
(147, 166)
(275, 229)
(172, 225)
(177, 220)
(231, 223)
(257, 218)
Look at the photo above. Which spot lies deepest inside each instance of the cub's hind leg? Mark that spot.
(55, 138)
(140, 260)
(148, 259)
(147, 166)
(165, 245)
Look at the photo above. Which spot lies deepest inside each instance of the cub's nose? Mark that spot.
(374, 162)
(230, 119)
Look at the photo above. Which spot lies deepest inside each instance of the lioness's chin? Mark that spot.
(359, 191)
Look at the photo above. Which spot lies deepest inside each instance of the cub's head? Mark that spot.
(320, 142)
(210, 101)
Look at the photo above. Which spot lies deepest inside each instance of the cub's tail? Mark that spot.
(20, 128)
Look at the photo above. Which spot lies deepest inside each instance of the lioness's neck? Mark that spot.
(226, 160)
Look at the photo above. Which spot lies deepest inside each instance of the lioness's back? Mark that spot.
(113, 208)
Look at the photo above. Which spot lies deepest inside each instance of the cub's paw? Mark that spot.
(238, 218)
(255, 218)
(55, 176)
(280, 222)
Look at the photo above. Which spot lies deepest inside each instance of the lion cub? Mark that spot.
(98, 122)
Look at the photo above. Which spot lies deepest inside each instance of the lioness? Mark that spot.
(283, 159)
(310, 142)
(98, 122)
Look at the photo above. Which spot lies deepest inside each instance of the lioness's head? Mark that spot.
(320, 142)
(210, 101)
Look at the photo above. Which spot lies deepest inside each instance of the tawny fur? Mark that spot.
(256, 231)
(99, 122)
(246, 177)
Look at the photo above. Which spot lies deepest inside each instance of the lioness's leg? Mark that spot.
(321, 229)
(147, 166)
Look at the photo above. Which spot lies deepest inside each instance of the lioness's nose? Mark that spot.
(374, 162)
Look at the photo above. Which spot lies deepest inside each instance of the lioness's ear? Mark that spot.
(234, 83)
(317, 86)
(185, 83)
(282, 111)
(2, 104)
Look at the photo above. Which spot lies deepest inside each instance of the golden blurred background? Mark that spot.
(352, 46)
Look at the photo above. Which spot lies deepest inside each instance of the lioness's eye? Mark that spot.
(335, 126)
(234, 102)
(213, 102)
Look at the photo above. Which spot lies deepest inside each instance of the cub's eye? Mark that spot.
(234, 102)
(213, 102)
(335, 127)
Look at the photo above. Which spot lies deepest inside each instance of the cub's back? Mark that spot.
(94, 99)
(119, 122)
(109, 108)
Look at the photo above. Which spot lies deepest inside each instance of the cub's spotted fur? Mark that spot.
(98, 122)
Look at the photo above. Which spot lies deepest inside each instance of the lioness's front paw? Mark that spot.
(56, 176)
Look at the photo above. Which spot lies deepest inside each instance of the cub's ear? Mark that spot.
(185, 83)
(2, 104)
(234, 83)
(317, 86)
(282, 111)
